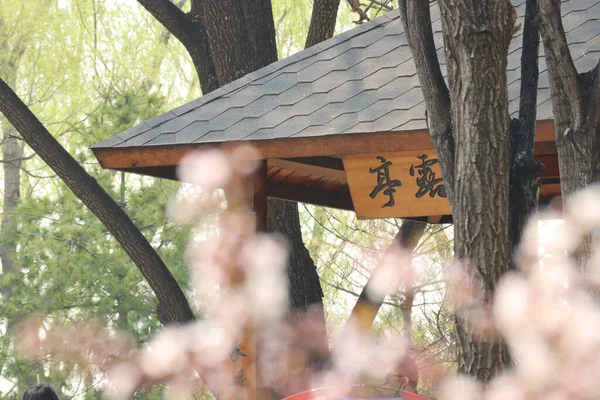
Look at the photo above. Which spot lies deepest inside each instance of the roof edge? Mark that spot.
(329, 145)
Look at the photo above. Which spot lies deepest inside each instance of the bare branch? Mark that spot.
(529, 74)
(355, 8)
(189, 30)
(564, 80)
(170, 16)
(407, 237)
(524, 169)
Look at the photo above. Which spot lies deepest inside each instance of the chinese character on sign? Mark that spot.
(235, 352)
(427, 181)
(384, 182)
(239, 378)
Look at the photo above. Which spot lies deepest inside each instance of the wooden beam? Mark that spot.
(307, 169)
(319, 146)
(339, 199)
(325, 162)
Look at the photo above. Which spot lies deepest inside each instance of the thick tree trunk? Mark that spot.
(576, 111)
(172, 304)
(477, 34)
(472, 140)
(249, 45)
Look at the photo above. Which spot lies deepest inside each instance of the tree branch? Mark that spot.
(172, 304)
(408, 237)
(416, 18)
(171, 17)
(564, 80)
(529, 76)
(524, 170)
(189, 30)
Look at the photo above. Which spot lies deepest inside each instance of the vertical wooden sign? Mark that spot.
(396, 184)
(240, 375)
(239, 379)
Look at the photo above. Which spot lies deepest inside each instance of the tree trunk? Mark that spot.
(576, 111)
(322, 21)
(250, 45)
(472, 141)
(284, 219)
(367, 307)
(172, 305)
(12, 153)
(477, 34)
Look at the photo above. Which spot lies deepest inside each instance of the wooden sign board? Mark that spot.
(396, 184)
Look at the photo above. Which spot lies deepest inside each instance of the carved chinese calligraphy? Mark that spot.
(235, 352)
(384, 182)
(396, 184)
(239, 375)
(239, 378)
(426, 179)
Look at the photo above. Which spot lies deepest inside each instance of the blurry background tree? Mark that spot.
(89, 69)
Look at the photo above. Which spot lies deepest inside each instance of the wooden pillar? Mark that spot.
(260, 211)
(243, 368)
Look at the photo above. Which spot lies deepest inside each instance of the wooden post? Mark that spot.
(260, 211)
(241, 379)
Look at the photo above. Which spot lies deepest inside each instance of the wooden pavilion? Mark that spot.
(342, 124)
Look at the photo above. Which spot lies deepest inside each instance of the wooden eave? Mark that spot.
(310, 170)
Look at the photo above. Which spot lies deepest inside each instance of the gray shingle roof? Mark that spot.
(363, 80)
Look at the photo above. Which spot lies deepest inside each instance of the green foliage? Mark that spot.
(88, 70)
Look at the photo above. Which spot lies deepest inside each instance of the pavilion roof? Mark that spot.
(362, 81)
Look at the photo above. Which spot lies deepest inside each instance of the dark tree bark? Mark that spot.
(524, 170)
(576, 111)
(284, 219)
(367, 307)
(469, 127)
(322, 21)
(480, 115)
(172, 305)
(188, 28)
